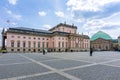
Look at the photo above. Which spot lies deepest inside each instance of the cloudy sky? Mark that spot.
(89, 16)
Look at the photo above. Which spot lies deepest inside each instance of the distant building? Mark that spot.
(119, 43)
(115, 44)
(101, 41)
(62, 37)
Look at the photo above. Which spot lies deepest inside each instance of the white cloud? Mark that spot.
(88, 5)
(95, 24)
(16, 16)
(113, 33)
(59, 14)
(13, 23)
(46, 27)
(42, 13)
(109, 24)
(92, 26)
(1, 28)
(13, 2)
(113, 19)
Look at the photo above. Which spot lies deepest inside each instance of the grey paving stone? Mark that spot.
(8, 71)
(96, 59)
(114, 63)
(61, 64)
(53, 76)
(97, 72)
(11, 61)
(40, 57)
(8, 57)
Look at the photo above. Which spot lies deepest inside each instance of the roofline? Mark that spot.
(64, 24)
(100, 38)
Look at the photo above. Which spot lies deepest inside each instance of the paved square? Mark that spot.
(96, 72)
(61, 64)
(103, 65)
(8, 71)
(53, 76)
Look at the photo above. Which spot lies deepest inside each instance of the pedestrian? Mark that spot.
(91, 51)
(43, 52)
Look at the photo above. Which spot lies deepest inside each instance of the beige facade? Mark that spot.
(101, 41)
(62, 37)
(101, 44)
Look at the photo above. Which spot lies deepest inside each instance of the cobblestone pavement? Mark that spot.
(103, 65)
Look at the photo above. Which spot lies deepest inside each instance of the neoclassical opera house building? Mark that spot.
(62, 37)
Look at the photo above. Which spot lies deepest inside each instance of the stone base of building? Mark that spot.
(39, 50)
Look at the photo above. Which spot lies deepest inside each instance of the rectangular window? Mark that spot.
(12, 36)
(23, 50)
(18, 49)
(29, 37)
(43, 44)
(59, 44)
(66, 44)
(38, 44)
(18, 43)
(38, 49)
(53, 44)
(24, 37)
(34, 44)
(18, 36)
(77, 45)
(29, 44)
(12, 49)
(29, 50)
(47, 44)
(24, 45)
(34, 38)
(63, 44)
(12, 43)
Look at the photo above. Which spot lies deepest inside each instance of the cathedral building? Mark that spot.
(101, 41)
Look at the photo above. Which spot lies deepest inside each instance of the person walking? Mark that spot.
(91, 51)
(43, 52)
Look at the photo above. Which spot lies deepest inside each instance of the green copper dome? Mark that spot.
(102, 35)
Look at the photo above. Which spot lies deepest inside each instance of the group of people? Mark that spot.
(45, 51)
